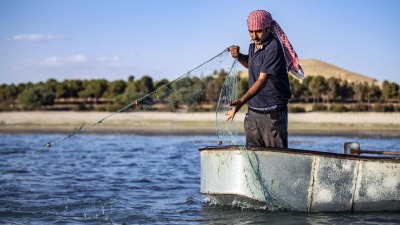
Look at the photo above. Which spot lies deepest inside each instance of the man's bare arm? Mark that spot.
(243, 59)
(255, 89)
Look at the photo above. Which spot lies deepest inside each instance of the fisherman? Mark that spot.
(270, 58)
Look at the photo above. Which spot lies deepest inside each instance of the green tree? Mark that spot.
(346, 90)
(214, 85)
(51, 85)
(160, 83)
(306, 83)
(185, 92)
(213, 89)
(361, 91)
(35, 97)
(333, 90)
(296, 87)
(21, 87)
(374, 93)
(386, 90)
(146, 84)
(390, 90)
(94, 89)
(115, 88)
(69, 89)
(132, 87)
(317, 87)
(8, 93)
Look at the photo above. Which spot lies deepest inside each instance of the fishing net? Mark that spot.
(196, 91)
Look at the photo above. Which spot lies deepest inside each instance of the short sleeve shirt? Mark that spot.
(270, 60)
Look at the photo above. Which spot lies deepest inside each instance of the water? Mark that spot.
(125, 179)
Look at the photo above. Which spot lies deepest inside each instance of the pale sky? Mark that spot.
(99, 39)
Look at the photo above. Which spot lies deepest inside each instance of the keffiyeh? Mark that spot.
(261, 19)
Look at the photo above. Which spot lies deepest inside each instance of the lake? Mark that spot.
(127, 179)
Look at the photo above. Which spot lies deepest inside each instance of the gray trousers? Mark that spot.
(266, 129)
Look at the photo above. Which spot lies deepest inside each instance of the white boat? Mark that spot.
(300, 180)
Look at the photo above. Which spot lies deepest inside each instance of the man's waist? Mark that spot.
(268, 109)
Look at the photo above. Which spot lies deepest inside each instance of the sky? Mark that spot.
(113, 39)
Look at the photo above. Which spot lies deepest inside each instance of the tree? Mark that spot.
(8, 93)
(333, 90)
(361, 91)
(346, 90)
(386, 90)
(146, 84)
(317, 87)
(69, 89)
(187, 92)
(21, 87)
(297, 88)
(35, 97)
(306, 83)
(213, 89)
(51, 85)
(115, 88)
(390, 90)
(374, 92)
(94, 89)
(160, 83)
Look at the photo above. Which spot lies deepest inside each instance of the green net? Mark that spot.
(172, 108)
(177, 107)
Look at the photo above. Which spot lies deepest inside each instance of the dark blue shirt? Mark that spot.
(269, 60)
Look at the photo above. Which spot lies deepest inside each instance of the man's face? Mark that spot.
(259, 36)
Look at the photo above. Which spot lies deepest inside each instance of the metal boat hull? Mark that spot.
(299, 180)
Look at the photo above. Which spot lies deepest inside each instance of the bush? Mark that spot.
(383, 108)
(319, 107)
(296, 109)
(359, 108)
(338, 108)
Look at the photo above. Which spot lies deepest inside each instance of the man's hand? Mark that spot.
(235, 51)
(236, 106)
(243, 59)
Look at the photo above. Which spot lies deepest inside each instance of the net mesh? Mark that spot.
(195, 91)
(191, 92)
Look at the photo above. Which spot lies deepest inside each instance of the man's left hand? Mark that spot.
(236, 106)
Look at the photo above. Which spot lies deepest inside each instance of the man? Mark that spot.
(270, 58)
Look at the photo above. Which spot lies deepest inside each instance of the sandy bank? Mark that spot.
(184, 122)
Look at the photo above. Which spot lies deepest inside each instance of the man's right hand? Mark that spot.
(243, 59)
(235, 51)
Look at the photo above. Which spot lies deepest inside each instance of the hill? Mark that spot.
(314, 67)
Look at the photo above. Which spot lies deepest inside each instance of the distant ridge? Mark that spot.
(314, 67)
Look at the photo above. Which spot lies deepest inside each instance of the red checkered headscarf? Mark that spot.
(261, 19)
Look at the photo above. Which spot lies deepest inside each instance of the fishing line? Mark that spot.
(227, 134)
(228, 93)
(188, 90)
(163, 91)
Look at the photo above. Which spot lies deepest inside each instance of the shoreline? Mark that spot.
(155, 123)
